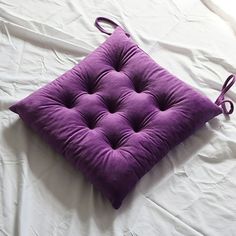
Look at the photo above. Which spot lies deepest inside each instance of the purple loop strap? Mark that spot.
(221, 101)
(108, 21)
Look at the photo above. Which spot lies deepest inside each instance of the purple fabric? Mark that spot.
(115, 114)
(221, 101)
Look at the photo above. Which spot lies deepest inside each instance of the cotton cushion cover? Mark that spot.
(117, 113)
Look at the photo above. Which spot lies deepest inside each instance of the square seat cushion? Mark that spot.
(115, 114)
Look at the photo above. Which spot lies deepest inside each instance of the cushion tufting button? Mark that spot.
(90, 121)
(136, 124)
(117, 66)
(117, 63)
(114, 141)
(90, 85)
(162, 104)
(162, 107)
(68, 102)
(112, 104)
(114, 145)
(139, 84)
(91, 89)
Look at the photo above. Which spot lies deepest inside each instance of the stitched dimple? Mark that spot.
(163, 102)
(67, 100)
(112, 104)
(116, 139)
(163, 105)
(139, 84)
(68, 103)
(90, 84)
(117, 65)
(91, 87)
(114, 142)
(117, 59)
(90, 120)
(136, 123)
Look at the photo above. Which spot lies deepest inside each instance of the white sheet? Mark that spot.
(190, 192)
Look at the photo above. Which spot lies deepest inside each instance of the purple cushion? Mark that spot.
(115, 114)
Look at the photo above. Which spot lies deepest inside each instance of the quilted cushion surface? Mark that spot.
(115, 114)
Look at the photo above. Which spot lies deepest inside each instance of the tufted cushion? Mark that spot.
(115, 114)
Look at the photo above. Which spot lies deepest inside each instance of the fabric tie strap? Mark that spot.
(108, 21)
(221, 101)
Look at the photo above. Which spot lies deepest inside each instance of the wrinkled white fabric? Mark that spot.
(190, 192)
